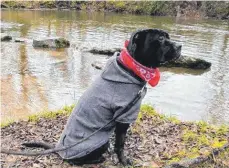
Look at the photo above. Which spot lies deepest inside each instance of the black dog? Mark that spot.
(108, 95)
(151, 48)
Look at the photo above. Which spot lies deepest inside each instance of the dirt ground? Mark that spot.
(151, 142)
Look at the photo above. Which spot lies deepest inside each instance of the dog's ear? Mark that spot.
(166, 35)
(132, 43)
(135, 42)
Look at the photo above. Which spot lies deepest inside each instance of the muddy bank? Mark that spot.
(153, 141)
(186, 9)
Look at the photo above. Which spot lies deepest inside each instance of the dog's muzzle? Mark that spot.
(178, 52)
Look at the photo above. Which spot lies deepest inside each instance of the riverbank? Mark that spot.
(186, 9)
(153, 141)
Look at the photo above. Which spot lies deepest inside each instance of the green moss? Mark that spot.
(203, 140)
(49, 4)
(44, 114)
(158, 8)
(120, 5)
(6, 123)
(202, 137)
(181, 154)
(173, 160)
(66, 110)
(50, 114)
(148, 109)
(222, 130)
(62, 43)
(12, 4)
(189, 136)
(216, 143)
(173, 119)
(33, 118)
(45, 46)
(83, 6)
(203, 126)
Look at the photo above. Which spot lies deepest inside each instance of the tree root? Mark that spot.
(198, 160)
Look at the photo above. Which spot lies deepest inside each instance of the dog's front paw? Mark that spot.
(126, 161)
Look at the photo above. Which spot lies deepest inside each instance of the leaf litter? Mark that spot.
(152, 141)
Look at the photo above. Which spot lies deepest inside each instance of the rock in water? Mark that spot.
(20, 40)
(5, 37)
(97, 65)
(52, 42)
(183, 61)
(188, 62)
(108, 52)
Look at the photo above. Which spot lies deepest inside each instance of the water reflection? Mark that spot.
(21, 93)
(220, 80)
(36, 79)
(184, 71)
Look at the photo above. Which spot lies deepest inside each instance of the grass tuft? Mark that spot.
(6, 123)
(66, 110)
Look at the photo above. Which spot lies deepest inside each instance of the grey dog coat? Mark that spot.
(109, 94)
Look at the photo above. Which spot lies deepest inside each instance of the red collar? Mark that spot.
(150, 75)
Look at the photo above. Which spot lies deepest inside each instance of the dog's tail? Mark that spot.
(38, 145)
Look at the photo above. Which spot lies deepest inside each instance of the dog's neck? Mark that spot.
(149, 75)
(129, 71)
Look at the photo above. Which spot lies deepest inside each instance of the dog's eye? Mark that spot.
(161, 38)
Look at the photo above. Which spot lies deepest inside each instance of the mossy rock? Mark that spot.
(183, 61)
(108, 52)
(62, 43)
(189, 62)
(55, 42)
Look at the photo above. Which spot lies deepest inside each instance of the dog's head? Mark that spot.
(152, 47)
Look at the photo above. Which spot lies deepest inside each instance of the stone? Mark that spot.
(20, 40)
(97, 65)
(189, 62)
(5, 37)
(51, 42)
(109, 52)
(183, 61)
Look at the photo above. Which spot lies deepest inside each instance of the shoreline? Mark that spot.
(153, 139)
(191, 10)
(105, 11)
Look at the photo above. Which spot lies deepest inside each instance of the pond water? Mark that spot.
(34, 80)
